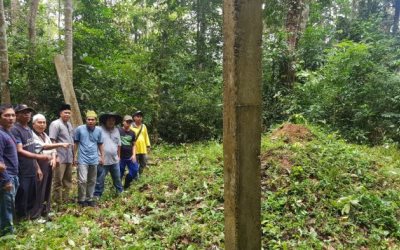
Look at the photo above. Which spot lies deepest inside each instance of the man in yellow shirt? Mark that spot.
(142, 140)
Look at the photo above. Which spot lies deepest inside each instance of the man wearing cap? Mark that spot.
(142, 140)
(61, 131)
(9, 169)
(128, 151)
(28, 166)
(89, 143)
(112, 149)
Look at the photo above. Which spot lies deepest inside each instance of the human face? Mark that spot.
(65, 115)
(127, 124)
(24, 117)
(39, 125)
(7, 118)
(91, 121)
(110, 122)
(138, 119)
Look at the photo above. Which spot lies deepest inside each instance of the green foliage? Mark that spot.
(354, 93)
(177, 203)
(329, 194)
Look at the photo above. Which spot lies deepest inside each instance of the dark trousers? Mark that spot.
(43, 191)
(142, 160)
(26, 196)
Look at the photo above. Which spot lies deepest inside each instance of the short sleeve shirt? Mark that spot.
(62, 132)
(111, 141)
(8, 156)
(88, 141)
(23, 135)
(128, 139)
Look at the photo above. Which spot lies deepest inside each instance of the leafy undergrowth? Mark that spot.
(317, 192)
(176, 204)
(320, 192)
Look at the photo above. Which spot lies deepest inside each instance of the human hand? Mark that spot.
(101, 160)
(2, 167)
(39, 174)
(8, 186)
(53, 163)
(45, 157)
(65, 145)
(133, 158)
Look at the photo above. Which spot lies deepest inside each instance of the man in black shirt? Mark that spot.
(28, 167)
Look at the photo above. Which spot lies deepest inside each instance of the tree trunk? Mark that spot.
(14, 15)
(68, 89)
(33, 10)
(68, 10)
(4, 67)
(59, 21)
(396, 16)
(242, 123)
(296, 21)
(200, 32)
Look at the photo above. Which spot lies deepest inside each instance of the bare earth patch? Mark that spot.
(291, 133)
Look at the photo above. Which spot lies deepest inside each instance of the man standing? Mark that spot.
(61, 131)
(128, 151)
(28, 167)
(112, 149)
(9, 169)
(142, 140)
(88, 140)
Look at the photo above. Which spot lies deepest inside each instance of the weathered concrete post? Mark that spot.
(242, 123)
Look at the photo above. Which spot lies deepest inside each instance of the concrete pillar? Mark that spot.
(242, 123)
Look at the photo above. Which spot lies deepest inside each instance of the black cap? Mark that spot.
(138, 113)
(64, 106)
(103, 117)
(23, 107)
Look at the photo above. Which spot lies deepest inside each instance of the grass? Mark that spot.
(320, 194)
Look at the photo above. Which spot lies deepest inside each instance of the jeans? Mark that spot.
(102, 171)
(133, 168)
(86, 181)
(7, 199)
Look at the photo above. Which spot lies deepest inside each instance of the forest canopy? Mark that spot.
(332, 62)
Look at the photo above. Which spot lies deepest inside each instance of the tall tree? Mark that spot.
(396, 16)
(33, 10)
(68, 12)
(296, 20)
(14, 14)
(4, 67)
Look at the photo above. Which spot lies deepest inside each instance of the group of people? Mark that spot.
(32, 163)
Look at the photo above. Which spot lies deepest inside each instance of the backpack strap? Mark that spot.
(140, 131)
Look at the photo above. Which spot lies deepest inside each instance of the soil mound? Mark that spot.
(292, 133)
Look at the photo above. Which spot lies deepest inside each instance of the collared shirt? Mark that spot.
(8, 156)
(62, 132)
(88, 141)
(23, 136)
(111, 142)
